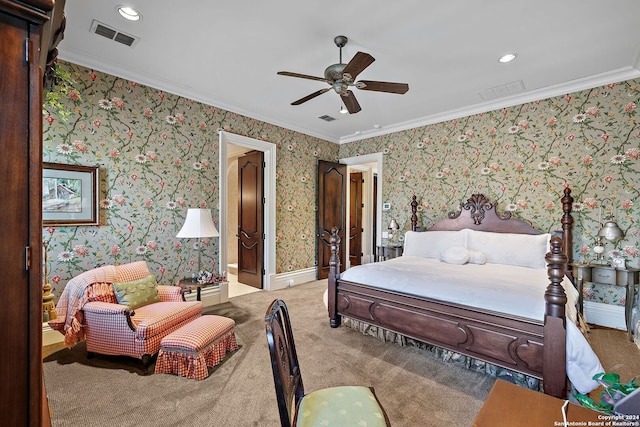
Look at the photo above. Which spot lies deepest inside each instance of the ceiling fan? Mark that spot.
(340, 76)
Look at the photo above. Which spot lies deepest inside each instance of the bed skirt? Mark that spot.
(446, 356)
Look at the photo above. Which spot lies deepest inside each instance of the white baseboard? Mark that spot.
(292, 278)
(50, 336)
(611, 316)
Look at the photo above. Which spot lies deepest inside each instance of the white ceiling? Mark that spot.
(227, 53)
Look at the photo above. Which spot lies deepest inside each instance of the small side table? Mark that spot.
(385, 252)
(607, 275)
(509, 405)
(190, 284)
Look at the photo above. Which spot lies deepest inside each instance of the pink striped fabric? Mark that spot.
(132, 271)
(201, 343)
(170, 293)
(110, 334)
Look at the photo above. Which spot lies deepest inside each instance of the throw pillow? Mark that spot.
(138, 292)
(455, 255)
(477, 257)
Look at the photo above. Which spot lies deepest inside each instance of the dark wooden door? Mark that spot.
(21, 385)
(355, 218)
(250, 219)
(374, 206)
(332, 198)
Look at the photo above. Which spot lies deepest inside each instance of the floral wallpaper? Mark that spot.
(158, 156)
(522, 157)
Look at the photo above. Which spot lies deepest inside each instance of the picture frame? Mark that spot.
(70, 194)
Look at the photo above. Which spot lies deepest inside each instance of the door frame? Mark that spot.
(269, 182)
(352, 163)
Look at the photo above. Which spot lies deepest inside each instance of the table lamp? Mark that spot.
(608, 230)
(198, 224)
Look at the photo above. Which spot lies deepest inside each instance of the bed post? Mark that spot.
(567, 228)
(554, 367)
(414, 216)
(334, 275)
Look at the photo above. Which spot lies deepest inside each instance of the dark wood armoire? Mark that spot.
(21, 86)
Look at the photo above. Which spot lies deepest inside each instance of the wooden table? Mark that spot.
(511, 405)
(385, 252)
(190, 284)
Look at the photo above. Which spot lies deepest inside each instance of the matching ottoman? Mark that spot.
(200, 343)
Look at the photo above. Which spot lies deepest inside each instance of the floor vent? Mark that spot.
(112, 34)
(327, 118)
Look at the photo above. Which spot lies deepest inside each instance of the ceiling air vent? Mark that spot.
(503, 90)
(327, 118)
(112, 34)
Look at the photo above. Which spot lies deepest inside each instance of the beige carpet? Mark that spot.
(616, 353)
(414, 388)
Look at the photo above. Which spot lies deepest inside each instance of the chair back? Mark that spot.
(284, 361)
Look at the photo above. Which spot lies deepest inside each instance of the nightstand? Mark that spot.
(385, 252)
(607, 275)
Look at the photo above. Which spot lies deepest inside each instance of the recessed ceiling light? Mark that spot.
(507, 58)
(129, 13)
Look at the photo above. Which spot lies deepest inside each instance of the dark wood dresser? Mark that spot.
(21, 87)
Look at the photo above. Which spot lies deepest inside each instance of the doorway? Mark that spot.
(231, 148)
(370, 166)
(334, 200)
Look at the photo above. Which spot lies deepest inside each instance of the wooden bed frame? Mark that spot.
(534, 348)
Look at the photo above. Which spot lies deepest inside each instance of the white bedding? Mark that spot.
(503, 288)
(508, 289)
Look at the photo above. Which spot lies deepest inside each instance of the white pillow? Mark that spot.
(476, 257)
(524, 250)
(455, 255)
(430, 244)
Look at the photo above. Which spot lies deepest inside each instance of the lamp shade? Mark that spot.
(198, 223)
(611, 231)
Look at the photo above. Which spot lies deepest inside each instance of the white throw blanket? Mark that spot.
(74, 297)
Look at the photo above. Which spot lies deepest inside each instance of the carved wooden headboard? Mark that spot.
(478, 213)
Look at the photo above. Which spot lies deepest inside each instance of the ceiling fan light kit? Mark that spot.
(341, 76)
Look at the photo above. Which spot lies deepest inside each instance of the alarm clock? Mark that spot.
(617, 262)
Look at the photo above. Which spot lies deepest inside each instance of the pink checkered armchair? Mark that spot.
(120, 310)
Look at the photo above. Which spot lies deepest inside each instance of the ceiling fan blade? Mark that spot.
(302, 76)
(383, 86)
(351, 102)
(308, 97)
(357, 64)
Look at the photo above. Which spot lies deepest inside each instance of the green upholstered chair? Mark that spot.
(334, 406)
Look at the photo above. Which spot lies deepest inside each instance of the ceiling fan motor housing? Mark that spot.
(334, 72)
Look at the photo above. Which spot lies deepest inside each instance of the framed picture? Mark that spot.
(70, 194)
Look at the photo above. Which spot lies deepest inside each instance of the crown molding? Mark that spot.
(148, 79)
(619, 75)
(145, 78)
